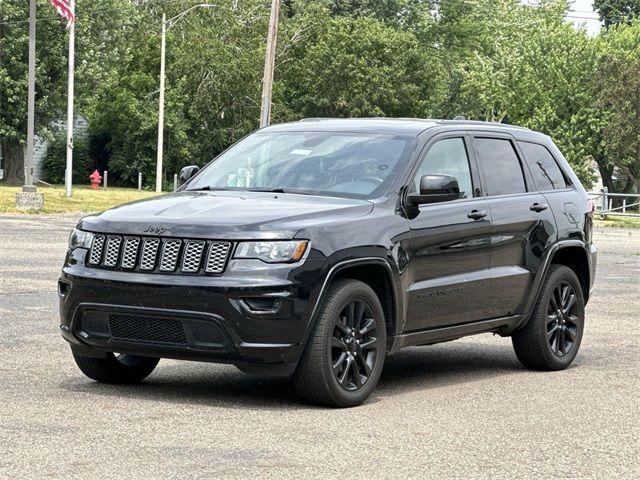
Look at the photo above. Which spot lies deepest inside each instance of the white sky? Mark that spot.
(584, 9)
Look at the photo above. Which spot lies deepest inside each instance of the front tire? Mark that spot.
(343, 358)
(552, 337)
(116, 368)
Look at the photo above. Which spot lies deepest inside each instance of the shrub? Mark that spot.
(55, 161)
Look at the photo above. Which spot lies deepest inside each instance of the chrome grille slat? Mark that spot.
(217, 257)
(96, 250)
(170, 252)
(192, 257)
(113, 251)
(159, 255)
(149, 253)
(130, 252)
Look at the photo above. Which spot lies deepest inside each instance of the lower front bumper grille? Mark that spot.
(146, 329)
(104, 327)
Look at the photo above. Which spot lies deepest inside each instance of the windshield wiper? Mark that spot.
(206, 188)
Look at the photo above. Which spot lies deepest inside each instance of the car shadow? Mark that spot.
(417, 368)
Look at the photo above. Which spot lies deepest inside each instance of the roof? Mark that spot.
(397, 126)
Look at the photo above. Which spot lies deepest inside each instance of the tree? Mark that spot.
(361, 67)
(512, 63)
(101, 47)
(618, 82)
(613, 12)
(50, 68)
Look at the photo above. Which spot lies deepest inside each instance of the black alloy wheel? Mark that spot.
(354, 346)
(344, 355)
(551, 338)
(562, 325)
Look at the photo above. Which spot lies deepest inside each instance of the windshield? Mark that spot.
(330, 163)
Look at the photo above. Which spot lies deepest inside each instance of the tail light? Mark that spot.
(591, 207)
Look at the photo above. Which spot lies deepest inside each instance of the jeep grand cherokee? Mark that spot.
(315, 249)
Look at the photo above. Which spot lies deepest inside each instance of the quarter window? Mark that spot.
(503, 172)
(546, 172)
(448, 157)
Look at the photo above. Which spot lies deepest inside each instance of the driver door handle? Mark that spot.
(538, 207)
(477, 214)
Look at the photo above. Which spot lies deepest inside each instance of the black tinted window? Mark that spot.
(448, 157)
(503, 172)
(543, 166)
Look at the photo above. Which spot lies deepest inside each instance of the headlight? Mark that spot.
(80, 239)
(272, 252)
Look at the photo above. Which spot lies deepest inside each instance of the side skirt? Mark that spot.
(502, 326)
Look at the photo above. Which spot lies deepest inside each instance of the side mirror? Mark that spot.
(187, 173)
(436, 189)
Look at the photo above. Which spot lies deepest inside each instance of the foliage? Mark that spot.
(358, 67)
(496, 60)
(618, 82)
(55, 162)
(613, 12)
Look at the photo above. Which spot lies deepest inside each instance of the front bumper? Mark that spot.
(194, 318)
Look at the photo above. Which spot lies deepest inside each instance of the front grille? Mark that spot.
(146, 329)
(159, 255)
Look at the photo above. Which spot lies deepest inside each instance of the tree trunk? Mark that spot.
(13, 163)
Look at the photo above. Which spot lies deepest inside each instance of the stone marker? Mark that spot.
(29, 198)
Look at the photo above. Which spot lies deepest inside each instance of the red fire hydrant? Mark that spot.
(95, 180)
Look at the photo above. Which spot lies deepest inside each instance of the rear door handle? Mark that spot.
(538, 207)
(477, 214)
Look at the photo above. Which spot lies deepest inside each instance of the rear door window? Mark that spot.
(544, 168)
(502, 169)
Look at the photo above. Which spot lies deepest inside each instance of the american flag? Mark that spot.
(63, 7)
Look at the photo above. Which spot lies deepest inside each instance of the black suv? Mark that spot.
(315, 249)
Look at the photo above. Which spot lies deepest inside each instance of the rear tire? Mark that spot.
(344, 356)
(552, 336)
(116, 369)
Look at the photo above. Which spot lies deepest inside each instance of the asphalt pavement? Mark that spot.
(463, 409)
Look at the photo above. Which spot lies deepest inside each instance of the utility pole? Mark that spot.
(167, 24)
(29, 197)
(161, 111)
(70, 87)
(269, 65)
(31, 96)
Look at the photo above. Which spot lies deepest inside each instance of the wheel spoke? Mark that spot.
(356, 373)
(573, 320)
(345, 372)
(369, 343)
(368, 326)
(551, 319)
(551, 332)
(571, 335)
(358, 312)
(363, 362)
(564, 296)
(350, 314)
(338, 363)
(570, 302)
(553, 302)
(561, 349)
(341, 325)
(337, 343)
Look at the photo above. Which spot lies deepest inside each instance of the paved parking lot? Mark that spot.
(464, 409)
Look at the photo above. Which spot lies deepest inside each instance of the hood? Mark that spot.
(225, 215)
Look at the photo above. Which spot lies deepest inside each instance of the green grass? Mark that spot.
(83, 200)
(617, 222)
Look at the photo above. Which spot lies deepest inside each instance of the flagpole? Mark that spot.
(70, 92)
